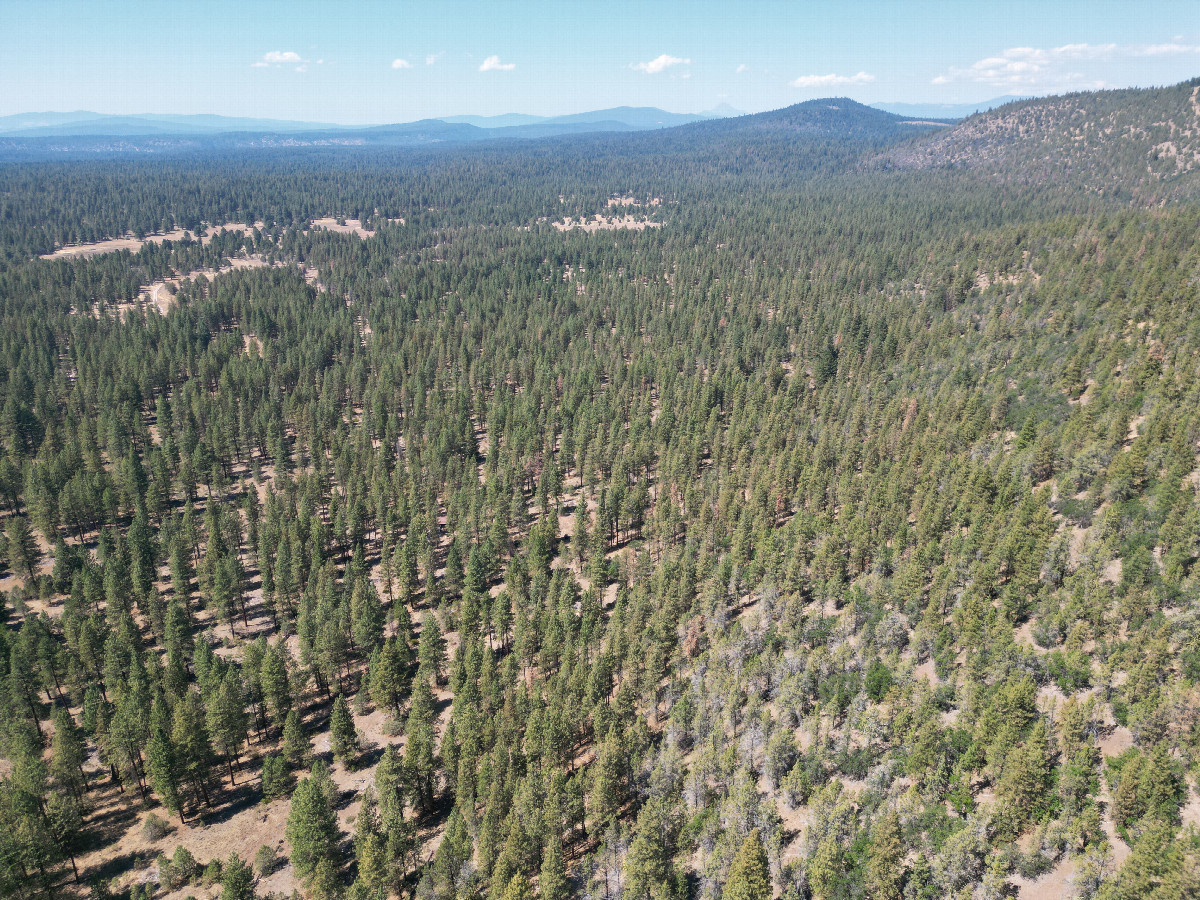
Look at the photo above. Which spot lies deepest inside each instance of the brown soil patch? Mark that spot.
(1054, 885)
(606, 223)
(352, 226)
(133, 245)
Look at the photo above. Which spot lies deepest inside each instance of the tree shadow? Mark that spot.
(241, 797)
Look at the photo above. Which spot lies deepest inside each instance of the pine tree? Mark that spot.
(431, 651)
(1022, 786)
(237, 879)
(406, 574)
(277, 691)
(552, 882)
(748, 877)
(366, 615)
(297, 746)
(343, 736)
(68, 754)
(518, 888)
(311, 829)
(276, 777)
(193, 752)
(227, 720)
(370, 845)
(649, 866)
(885, 861)
(610, 780)
(65, 821)
(162, 765)
(388, 674)
(23, 553)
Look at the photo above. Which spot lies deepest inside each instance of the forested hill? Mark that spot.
(837, 118)
(712, 514)
(1141, 145)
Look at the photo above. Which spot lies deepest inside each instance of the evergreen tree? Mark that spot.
(68, 754)
(22, 548)
(276, 777)
(237, 879)
(343, 735)
(431, 651)
(748, 877)
(297, 746)
(227, 720)
(311, 829)
(163, 767)
(193, 751)
(552, 882)
(885, 861)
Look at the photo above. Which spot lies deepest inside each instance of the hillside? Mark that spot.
(711, 513)
(1131, 144)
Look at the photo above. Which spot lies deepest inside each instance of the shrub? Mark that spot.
(184, 864)
(212, 873)
(155, 827)
(265, 860)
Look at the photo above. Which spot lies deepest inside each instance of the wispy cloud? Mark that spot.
(832, 80)
(1170, 48)
(659, 64)
(434, 57)
(741, 68)
(401, 64)
(1052, 69)
(276, 58)
(493, 64)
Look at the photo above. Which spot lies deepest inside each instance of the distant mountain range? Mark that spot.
(945, 110)
(632, 117)
(85, 124)
(66, 124)
(36, 135)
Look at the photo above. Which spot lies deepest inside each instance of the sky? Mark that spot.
(356, 62)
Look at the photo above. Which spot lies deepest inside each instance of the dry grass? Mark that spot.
(606, 223)
(352, 226)
(133, 245)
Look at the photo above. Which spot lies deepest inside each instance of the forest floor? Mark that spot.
(606, 223)
(351, 226)
(133, 244)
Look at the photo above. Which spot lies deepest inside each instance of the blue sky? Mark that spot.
(372, 62)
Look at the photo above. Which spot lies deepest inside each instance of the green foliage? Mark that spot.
(312, 831)
(863, 455)
(748, 878)
(276, 777)
(343, 735)
(237, 879)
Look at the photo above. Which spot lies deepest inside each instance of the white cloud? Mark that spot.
(1049, 69)
(831, 80)
(276, 58)
(493, 64)
(401, 64)
(740, 69)
(433, 57)
(1173, 47)
(659, 63)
